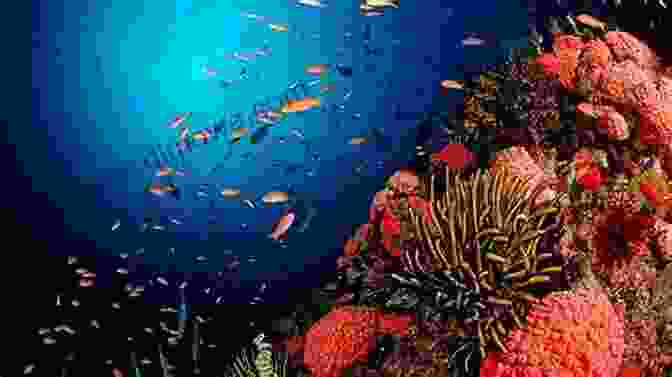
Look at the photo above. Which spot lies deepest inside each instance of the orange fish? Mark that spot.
(456, 156)
(282, 226)
(179, 120)
(201, 135)
(301, 105)
(317, 69)
(160, 189)
(590, 21)
(166, 171)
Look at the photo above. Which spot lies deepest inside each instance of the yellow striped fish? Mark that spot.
(264, 360)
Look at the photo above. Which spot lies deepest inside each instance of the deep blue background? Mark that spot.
(108, 76)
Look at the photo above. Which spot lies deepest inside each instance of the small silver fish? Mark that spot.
(72, 260)
(162, 280)
(48, 340)
(122, 271)
(123, 255)
(116, 225)
(249, 203)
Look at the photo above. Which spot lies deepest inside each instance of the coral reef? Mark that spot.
(537, 239)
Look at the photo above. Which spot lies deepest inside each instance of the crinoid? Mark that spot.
(484, 231)
(249, 363)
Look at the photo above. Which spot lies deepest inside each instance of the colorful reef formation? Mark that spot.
(537, 243)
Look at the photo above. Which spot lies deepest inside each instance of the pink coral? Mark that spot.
(576, 334)
(518, 162)
(628, 84)
(625, 46)
(663, 239)
(615, 124)
(345, 335)
(656, 123)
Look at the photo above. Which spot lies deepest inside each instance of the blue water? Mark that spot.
(108, 76)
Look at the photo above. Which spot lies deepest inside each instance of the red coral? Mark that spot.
(549, 62)
(344, 336)
(641, 351)
(592, 179)
(620, 241)
(572, 334)
(456, 156)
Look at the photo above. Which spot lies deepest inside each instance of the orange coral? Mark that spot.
(345, 335)
(596, 54)
(576, 334)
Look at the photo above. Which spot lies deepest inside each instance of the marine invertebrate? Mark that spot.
(619, 241)
(626, 46)
(575, 334)
(270, 364)
(656, 123)
(518, 162)
(486, 231)
(345, 336)
(641, 350)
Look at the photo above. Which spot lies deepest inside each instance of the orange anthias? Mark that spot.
(456, 156)
(297, 106)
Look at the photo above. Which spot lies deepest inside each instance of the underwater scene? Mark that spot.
(366, 188)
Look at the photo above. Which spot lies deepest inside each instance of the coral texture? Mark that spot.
(346, 335)
(571, 334)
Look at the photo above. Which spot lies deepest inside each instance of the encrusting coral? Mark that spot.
(569, 334)
(345, 336)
